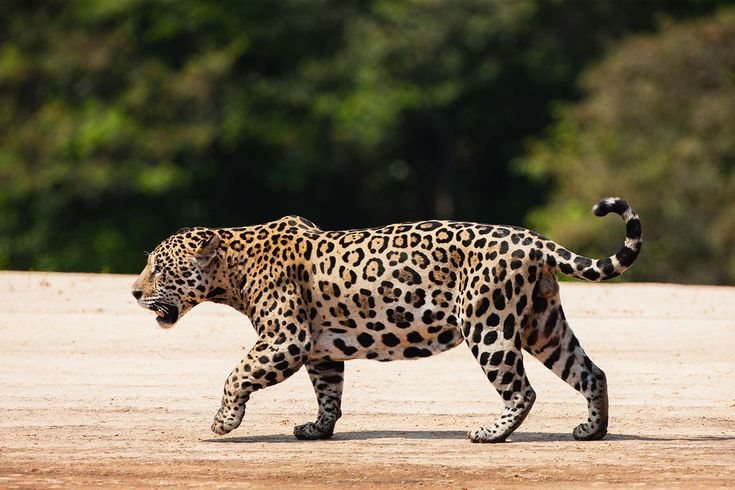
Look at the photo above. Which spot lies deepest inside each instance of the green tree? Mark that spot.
(121, 121)
(656, 126)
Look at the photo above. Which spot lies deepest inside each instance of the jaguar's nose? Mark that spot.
(137, 294)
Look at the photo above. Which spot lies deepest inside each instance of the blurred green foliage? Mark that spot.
(121, 121)
(657, 124)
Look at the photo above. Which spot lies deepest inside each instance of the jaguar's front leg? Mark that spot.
(327, 377)
(265, 365)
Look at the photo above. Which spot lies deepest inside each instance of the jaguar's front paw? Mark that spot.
(226, 420)
(313, 431)
(486, 435)
(589, 432)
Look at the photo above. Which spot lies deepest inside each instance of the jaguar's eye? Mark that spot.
(155, 270)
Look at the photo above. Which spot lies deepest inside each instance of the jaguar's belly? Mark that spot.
(394, 333)
(379, 346)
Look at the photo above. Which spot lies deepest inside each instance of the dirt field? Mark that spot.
(92, 392)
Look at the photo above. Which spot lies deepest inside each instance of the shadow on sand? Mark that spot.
(456, 434)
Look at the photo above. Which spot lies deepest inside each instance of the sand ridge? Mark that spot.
(92, 392)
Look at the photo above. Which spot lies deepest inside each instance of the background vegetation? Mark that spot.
(121, 121)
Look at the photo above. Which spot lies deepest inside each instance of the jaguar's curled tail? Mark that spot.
(589, 269)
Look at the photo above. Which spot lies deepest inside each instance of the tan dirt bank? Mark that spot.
(92, 392)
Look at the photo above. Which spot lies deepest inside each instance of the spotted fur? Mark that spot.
(404, 291)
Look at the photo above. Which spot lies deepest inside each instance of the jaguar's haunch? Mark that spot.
(404, 291)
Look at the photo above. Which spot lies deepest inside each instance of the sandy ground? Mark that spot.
(92, 392)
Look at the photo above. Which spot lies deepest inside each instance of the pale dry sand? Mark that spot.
(93, 393)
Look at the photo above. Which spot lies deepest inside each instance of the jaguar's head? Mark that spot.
(179, 274)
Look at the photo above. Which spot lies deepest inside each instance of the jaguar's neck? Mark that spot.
(251, 257)
(236, 262)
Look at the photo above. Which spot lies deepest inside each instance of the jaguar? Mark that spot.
(403, 291)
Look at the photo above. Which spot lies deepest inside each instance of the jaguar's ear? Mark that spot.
(207, 250)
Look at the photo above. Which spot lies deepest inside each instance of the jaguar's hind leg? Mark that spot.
(496, 344)
(550, 340)
(327, 377)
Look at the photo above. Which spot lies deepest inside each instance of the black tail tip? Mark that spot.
(610, 205)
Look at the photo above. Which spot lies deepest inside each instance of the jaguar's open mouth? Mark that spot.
(167, 314)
